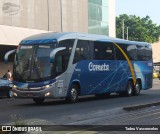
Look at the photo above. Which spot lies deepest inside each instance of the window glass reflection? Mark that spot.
(98, 17)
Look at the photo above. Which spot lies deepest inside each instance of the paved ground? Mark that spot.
(88, 111)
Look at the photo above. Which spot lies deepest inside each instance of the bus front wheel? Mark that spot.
(38, 100)
(10, 94)
(73, 94)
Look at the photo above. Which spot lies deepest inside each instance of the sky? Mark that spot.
(140, 8)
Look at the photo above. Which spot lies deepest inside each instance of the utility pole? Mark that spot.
(122, 28)
(127, 33)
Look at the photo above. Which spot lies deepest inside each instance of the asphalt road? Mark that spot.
(88, 111)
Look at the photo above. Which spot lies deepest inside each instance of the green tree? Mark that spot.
(139, 29)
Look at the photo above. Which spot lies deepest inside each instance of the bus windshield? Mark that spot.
(32, 62)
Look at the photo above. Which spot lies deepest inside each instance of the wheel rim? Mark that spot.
(129, 90)
(74, 93)
(137, 88)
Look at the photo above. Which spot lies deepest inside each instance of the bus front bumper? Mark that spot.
(46, 93)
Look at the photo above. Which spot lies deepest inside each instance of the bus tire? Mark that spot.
(73, 94)
(38, 100)
(137, 89)
(129, 89)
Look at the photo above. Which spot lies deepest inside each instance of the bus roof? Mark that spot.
(56, 37)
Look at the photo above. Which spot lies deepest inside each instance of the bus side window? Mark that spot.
(60, 63)
(68, 44)
(59, 68)
(109, 54)
(63, 57)
(82, 51)
(103, 51)
(132, 52)
(119, 55)
(144, 53)
(148, 53)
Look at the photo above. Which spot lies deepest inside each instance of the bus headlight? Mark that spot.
(14, 86)
(46, 86)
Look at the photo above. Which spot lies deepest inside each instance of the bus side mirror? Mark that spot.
(53, 53)
(8, 54)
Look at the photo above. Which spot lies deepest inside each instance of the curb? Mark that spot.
(136, 107)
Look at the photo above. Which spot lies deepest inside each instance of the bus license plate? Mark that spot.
(29, 95)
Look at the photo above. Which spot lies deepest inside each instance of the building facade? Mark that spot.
(156, 52)
(22, 18)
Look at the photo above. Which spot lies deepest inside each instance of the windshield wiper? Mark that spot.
(35, 67)
(24, 71)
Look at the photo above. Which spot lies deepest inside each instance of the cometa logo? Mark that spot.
(94, 67)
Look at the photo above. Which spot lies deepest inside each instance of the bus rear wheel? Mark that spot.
(38, 100)
(73, 94)
(137, 89)
(129, 89)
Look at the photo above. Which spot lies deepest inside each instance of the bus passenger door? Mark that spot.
(60, 71)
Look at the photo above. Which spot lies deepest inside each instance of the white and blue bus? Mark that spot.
(69, 65)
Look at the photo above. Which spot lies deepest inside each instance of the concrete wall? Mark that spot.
(22, 18)
(156, 52)
(112, 18)
(10, 35)
(45, 14)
